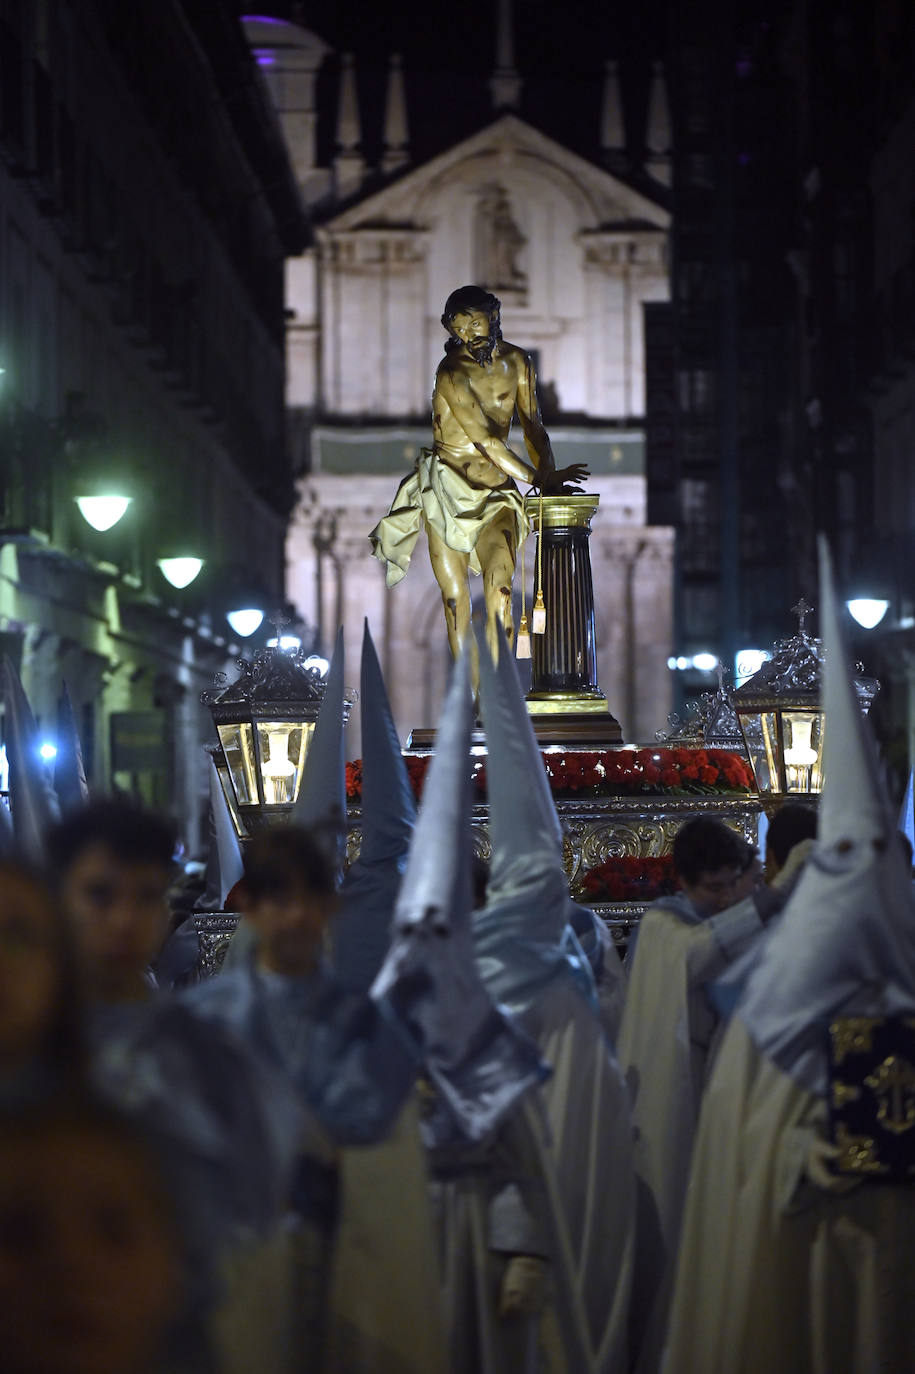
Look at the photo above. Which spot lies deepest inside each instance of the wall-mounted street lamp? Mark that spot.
(868, 611)
(102, 512)
(180, 572)
(245, 621)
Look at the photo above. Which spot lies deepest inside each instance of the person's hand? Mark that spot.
(564, 479)
(523, 1292)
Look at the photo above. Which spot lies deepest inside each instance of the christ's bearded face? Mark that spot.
(477, 331)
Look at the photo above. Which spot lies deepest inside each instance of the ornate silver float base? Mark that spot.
(594, 829)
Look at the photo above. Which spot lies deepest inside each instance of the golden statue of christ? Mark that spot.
(462, 491)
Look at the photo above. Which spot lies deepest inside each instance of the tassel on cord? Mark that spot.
(538, 619)
(523, 639)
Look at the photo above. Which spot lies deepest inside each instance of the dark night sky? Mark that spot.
(449, 55)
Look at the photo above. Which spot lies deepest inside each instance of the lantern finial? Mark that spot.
(801, 610)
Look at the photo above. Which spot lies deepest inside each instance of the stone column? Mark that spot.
(565, 699)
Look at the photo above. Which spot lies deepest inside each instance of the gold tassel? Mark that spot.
(538, 619)
(523, 639)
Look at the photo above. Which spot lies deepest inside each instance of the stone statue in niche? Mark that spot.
(498, 243)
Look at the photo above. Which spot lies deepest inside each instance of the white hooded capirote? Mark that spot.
(480, 1066)
(321, 802)
(362, 927)
(32, 801)
(532, 963)
(478, 1061)
(224, 861)
(70, 782)
(384, 1307)
(906, 820)
(783, 1264)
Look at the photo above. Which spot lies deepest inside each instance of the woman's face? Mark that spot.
(29, 967)
(87, 1254)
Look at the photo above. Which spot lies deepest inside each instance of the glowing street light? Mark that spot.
(102, 512)
(245, 621)
(180, 572)
(868, 611)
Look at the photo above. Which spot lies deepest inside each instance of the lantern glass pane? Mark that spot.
(223, 774)
(759, 735)
(768, 777)
(238, 746)
(282, 745)
(803, 739)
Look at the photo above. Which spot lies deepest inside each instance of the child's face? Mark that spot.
(29, 968)
(290, 928)
(88, 1260)
(120, 914)
(713, 890)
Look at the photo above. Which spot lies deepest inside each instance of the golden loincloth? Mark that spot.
(443, 499)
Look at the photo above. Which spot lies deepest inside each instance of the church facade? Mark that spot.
(574, 253)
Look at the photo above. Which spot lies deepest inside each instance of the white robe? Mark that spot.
(588, 1176)
(665, 1041)
(774, 1272)
(385, 1300)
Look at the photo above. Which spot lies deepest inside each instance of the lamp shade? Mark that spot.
(781, 716)
(868, 611)
(265, 720)
(102, 512)
(245, 621)
(180, 572)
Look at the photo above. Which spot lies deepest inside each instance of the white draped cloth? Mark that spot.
(440, 495)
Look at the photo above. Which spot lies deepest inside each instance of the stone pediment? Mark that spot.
(505, 151)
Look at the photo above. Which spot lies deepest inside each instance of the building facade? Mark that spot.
(146, 208)
(574, 250)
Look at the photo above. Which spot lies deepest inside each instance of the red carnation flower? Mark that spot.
(354, 780)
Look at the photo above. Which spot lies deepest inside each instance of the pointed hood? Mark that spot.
(522, 935)
(69, 772)
(436, 892)
(31, 798)
(388, 804)
(321, 803)
(361, 929)
(7, 839)
(479, 1062)
(845, 944)
(224, 862)
(906, 822)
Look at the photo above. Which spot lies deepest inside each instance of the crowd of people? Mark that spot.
(425, 1121)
